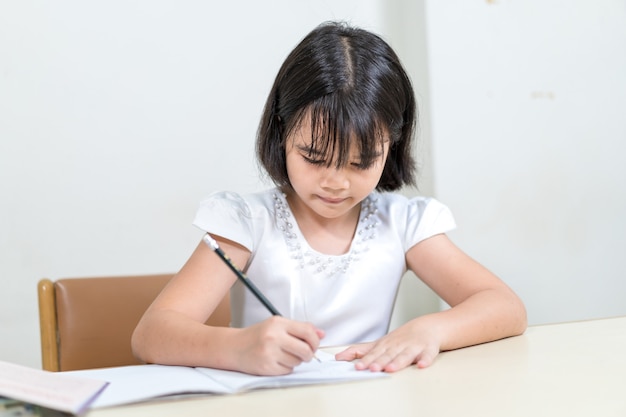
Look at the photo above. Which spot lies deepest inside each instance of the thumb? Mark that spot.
(353, 352)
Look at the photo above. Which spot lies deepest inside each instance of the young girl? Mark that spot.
(329, 245)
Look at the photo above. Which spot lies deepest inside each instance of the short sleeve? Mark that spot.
(226, 214)
(426, 217)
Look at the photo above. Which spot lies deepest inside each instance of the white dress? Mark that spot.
(349, 296)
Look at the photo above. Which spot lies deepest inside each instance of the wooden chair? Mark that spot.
(88, 322)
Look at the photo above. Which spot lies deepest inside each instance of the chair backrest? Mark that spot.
(88, 322)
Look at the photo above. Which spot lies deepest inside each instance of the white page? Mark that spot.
(136, 383)
(53, 390)
(328, 370)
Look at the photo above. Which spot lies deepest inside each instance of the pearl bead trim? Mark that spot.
(319, 263)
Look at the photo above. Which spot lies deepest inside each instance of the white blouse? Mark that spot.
(350, 296)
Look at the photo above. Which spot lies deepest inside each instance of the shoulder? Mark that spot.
(221, 199)
(413, 218)
(243, 204)
(238, 217)
(398, 204)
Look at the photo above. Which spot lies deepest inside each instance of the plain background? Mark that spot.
(118, 117)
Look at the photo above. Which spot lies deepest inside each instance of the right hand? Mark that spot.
(276, 345)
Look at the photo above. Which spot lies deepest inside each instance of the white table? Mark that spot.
(570, 369)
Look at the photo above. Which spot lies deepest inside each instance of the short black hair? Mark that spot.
(352, 84)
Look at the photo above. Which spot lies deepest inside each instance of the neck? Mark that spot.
(332, 236)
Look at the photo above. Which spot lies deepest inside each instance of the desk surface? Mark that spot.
(570, 369)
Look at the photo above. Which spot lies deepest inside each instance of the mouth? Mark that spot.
(332, 200)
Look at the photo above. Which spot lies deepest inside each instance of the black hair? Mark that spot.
(350, 83)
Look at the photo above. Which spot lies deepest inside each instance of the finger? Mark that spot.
(306, 340)
(399, 361)
(306, 332)
(427, 357)
(288, 360)
(275, 367)
(353, 352)
(377, 352)
(376, 360)
(272, 362)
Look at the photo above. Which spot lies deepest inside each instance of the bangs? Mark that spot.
(338, 124)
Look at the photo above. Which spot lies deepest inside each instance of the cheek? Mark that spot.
(374, 180)
(373, 177)
(295, 169)
(365, 181)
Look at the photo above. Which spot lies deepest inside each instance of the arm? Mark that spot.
(483, 309)
(172, 331)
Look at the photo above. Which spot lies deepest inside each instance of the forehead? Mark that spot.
(338, 150)
(323, 136)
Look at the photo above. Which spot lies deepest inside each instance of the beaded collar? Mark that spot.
(306, 257)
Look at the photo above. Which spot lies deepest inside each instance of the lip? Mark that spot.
(331, 200)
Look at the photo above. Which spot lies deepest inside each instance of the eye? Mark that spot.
(361, 165)
(313, 161)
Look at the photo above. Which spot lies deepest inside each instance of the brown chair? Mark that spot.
(88, 322)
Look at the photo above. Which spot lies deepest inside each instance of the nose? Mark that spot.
(335, 179)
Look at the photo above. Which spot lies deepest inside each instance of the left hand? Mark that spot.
(407, 345)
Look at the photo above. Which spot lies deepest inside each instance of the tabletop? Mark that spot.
(567, 369)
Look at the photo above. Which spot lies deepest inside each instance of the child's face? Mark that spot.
(329, 191)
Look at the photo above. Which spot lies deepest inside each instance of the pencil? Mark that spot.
(212, 243)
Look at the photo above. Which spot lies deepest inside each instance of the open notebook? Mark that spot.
(129, 384)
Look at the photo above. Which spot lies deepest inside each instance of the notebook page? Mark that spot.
(137, 383)
(328, 370)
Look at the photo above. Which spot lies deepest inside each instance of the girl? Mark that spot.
(330, 243)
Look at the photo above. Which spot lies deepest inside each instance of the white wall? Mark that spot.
(529, 134)
(116, 118)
